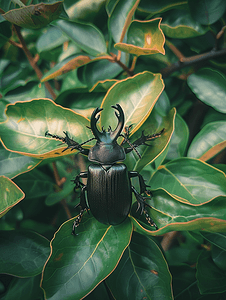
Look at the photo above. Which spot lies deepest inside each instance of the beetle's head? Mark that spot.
(107, 150)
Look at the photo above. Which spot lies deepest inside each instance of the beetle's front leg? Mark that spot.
(143, 140)
(71, 144)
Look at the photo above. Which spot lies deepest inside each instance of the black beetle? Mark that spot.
(109, 190)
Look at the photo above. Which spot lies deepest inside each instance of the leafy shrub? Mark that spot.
(164, 63)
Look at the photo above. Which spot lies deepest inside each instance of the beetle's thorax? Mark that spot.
(107, 153)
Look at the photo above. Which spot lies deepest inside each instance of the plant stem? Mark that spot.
(189, 61)
(32, 61)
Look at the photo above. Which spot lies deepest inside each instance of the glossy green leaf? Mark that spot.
(180, 24)
(210, 141)
(120, 18)
(86, 36)
(179, 140)
(103, 86)
(34, 16)
(143, 38)
(137, 95)
(210, 278)
(70, 63)
(50, 39)
(209, 86)
(10, 194)
(155, 124)
(79, 263)
(16, 75)
(12, 164)
(99, 70)
(24, 288)
(218, 239)
(207, 11)
(154, 7)
(190, 181)
(172, 214)
(28, 121)
(143, 271)
(35, 184)
(23, 253)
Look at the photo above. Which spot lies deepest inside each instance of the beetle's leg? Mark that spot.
(71, 144)
(126, 131)
(82, 203)
(142, 206)
(143, 139)
(77, 182)
(143, 185)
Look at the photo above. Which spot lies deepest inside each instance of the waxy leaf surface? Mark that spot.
(209, 141)
(146, 271)
(27, 122)
(120, 18)
(22, 253)
(77, 264)
(34, 16)
(137, 96)
(209, 86)
(10, 194)
(86, 36)
(171, 214)
(190, 180)
(13, 164)
(143, 38)
(180, 24)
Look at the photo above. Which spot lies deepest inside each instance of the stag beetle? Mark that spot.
(109, 190)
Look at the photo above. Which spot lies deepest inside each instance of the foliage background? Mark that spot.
(58, 62)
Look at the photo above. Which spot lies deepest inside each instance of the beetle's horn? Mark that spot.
(93, 123)
(121, 119)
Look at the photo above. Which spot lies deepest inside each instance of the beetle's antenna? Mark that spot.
(131, 145)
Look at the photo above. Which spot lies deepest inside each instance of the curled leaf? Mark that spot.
(34, 16)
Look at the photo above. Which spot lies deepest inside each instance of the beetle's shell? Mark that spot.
(109, 193)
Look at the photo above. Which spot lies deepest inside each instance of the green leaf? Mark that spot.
(103, 85)
(120, 18)
(209, 86)
(70, 63)
(210, 141)
(190, 181)
(10, 194)
(99, 70)
(86, 36)
(171, 214)
(137, 95)
(179, 140)
(158, 145)
(207, 12)
(28, 121)
(34, 16)
(210, 278)
(152, 8)
(143, 271)
(5, 32)
(79, 263)
(179, 24)
(35, 184)
(13, 164)
(23, 253)
(143, 38)
(50, 39)
(24, 288)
